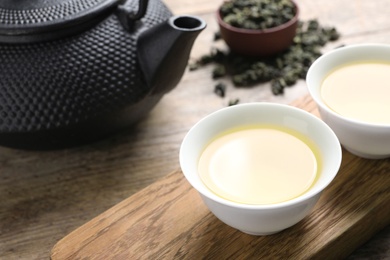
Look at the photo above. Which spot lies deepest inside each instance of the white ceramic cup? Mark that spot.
(363, 139)
(260, 219)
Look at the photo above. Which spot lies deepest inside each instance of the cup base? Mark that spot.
(260, 233)
(365, 155)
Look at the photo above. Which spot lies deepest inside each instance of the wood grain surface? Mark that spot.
(169, 220)
(47, 195)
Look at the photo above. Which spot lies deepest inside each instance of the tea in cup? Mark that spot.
(260, 167)
(351, 88)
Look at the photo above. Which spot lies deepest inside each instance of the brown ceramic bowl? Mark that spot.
(265, 42)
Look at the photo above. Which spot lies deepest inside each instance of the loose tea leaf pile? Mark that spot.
(282, 70)
(257, 14)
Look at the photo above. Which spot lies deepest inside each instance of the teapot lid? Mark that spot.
(24, 21)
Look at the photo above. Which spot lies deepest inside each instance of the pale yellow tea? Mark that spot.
(359, 91)
(259, 165)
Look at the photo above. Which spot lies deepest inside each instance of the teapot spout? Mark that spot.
(164, 50)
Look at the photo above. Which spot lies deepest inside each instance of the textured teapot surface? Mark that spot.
(75, 89)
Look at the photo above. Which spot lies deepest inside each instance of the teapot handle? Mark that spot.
(128, 18)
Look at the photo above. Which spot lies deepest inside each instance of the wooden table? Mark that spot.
(46, 195)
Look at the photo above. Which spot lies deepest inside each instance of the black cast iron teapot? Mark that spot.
(74, 71)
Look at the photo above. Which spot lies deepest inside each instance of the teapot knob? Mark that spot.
(128, 18)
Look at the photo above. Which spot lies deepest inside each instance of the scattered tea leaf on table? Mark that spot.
(282, 70)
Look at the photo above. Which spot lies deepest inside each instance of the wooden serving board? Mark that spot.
(168, 220)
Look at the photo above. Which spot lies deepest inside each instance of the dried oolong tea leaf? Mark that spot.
(257, 14)
(233, 102)
(220, 89)
(282, 70)
(219, 71)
